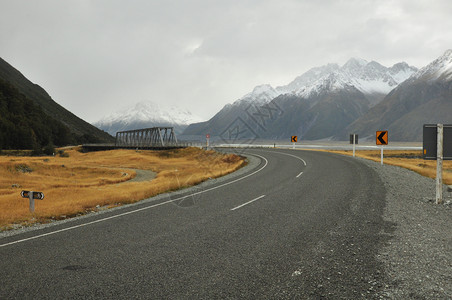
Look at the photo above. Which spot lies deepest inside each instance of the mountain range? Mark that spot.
(425, 97)
(146, 115)
(319, 104)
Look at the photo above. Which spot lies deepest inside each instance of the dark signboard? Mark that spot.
(351, 138)
(429, 141)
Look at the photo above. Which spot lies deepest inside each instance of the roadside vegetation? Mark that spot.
(411, 160)
(75, 183)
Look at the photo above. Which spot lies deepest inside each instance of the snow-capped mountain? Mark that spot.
(424, 98)
(440, 68)
(145, 115)
(316, 104)
(260, 95)
(367, 77)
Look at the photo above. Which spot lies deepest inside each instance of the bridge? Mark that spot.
(155, 138)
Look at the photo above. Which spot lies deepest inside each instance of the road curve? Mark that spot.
(302, 224)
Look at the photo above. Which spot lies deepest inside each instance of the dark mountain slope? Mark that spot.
(83, 131)
(24, 125)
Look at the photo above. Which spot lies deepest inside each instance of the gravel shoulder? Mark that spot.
(418, 253)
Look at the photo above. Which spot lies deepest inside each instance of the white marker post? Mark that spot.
(439, 164)
(381, 155)
(32, 201)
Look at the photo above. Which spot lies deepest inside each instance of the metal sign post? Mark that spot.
(293, 139)
(381, 160)
(437, 144)
(382, 139)
(354, 141)
(439, 164)
(32, 196)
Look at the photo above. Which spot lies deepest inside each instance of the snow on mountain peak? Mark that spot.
(440, 68)
(355, 63)
(261, 94)
(367, 77)
(151, 113)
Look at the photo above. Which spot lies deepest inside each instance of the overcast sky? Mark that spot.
(95, 57)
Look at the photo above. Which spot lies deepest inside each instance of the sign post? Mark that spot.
(437, 144)
(439, 164)
(293, 139)
(207, 140)
(382, 140)
(32, 196)
(354, 141)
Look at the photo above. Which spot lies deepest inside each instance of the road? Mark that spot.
(301, 224)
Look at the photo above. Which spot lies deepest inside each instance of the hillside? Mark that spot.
(82, 131)
(426, 97)
(24, 125)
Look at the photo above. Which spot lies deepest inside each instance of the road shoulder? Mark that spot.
(418, 254)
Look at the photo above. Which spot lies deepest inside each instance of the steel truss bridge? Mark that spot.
(155, 137)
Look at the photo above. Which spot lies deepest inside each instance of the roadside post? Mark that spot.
(207, 140)
(439, 164)
(293, 139)
(354, 141)
(32, 196)
(437, 145)
(382, 140)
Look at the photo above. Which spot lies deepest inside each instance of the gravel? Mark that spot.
(418, 253)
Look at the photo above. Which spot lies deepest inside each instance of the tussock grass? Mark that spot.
(411, 160)
(81, 182)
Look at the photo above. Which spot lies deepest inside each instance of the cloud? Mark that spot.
(95, 56)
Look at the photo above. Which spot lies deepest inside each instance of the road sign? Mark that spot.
(294, 139)
(35, 195)
(207, 136)
(351, 139)
(32, 196)
(430, 145)
(382, 137)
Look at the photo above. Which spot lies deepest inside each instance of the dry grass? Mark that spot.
(411, 160)
(83, 181)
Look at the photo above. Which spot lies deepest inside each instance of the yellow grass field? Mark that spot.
(83, 182)
(411, 160)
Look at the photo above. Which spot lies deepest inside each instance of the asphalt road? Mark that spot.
(301, 225)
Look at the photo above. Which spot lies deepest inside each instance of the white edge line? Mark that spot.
(136, 210)
(255, 199)
(299, 174)
(304, 162)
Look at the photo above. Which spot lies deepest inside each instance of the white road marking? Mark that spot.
(304, 162)
(255, 199)
(299, 175)
(139, 209)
